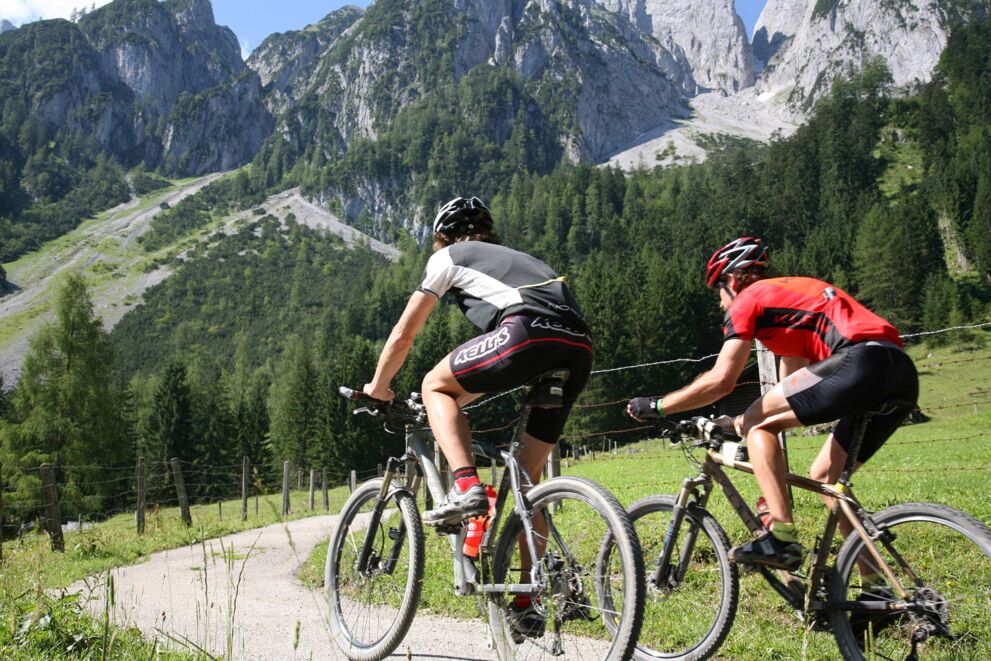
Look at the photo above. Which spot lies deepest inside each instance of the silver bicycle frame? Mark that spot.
(465, 571)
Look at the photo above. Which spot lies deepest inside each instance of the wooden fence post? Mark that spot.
(378, 470)
(326, 496)
(313, 479)
(180, 490)
(139, 512)
(244, 489)
(768, 376)
(299, 479)
(53, 518)
(220, 508)
(285, 489)
(354, 480)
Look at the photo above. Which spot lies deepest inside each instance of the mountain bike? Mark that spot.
(935, 602)
(541, 541)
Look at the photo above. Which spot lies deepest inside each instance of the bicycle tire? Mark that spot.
(950, 552)
(571, 501)
(693, 634)
(348, 536)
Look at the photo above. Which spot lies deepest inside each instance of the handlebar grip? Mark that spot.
(348, 393)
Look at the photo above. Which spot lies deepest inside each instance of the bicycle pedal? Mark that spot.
(394, 534)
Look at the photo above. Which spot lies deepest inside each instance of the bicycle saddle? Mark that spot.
(546, 391)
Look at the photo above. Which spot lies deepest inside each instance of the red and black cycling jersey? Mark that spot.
(803, 317)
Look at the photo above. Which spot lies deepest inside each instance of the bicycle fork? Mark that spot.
(662, 574)
(397, 535)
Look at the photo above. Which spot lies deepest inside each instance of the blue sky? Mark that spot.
(253, 20)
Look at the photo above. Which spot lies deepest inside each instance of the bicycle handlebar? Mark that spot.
(702, 430)
(410, 409)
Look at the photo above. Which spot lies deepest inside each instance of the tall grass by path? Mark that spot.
(38, 621)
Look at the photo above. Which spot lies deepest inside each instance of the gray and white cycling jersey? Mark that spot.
(491, 282)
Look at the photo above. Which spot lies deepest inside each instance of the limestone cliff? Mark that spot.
(154, 83)
(805, 44)
(708, 33)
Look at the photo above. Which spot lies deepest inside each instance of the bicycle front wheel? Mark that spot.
(571, 516)
(372, 603)
(689, 612)
(943, 559)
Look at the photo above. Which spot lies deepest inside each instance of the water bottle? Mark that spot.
(764, 513)
(478, 525)
(473, 535)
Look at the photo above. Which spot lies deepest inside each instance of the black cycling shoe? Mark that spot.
(525, 622)
(769, 551)
(458, 506)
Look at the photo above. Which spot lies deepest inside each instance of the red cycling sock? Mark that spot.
(465, 478)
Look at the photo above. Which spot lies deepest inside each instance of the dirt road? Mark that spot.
(188, 594)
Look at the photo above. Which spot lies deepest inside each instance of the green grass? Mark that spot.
(944, 461)
(32, 573)
(903, 165)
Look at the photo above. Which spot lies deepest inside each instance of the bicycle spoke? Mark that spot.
(572, 610)
(950, 611)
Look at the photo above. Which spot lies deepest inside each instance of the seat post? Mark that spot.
(516, 444)
(886, 407)
(858, 439)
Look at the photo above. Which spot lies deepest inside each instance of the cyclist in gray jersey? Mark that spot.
(530, 323)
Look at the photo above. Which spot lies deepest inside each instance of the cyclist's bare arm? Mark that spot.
(714, 384)
(397, 347)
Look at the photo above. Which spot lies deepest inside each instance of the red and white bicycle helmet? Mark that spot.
(735, 255)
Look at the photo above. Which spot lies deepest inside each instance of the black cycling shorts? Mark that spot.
(517, 351)
(851, 382)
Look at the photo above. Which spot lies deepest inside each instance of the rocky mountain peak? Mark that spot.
(804, 45)
(153, 83)
(192, 13)
(6, 26)
(708, 33)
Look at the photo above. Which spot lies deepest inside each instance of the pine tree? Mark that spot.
(170, 431)
(65, 403)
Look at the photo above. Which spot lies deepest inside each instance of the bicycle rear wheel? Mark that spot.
(685, 618)
(950, 554)
(371, 608)
(581, 515)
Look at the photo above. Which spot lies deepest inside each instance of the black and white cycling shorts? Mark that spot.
(850, 383)
(517, 351)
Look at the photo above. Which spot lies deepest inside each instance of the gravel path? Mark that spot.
(170, 596)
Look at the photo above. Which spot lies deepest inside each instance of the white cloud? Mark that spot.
(245, 46)
(25, 11)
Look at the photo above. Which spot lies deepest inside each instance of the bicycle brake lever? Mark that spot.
(365, 409)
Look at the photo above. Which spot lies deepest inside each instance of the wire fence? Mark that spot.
(118, 484)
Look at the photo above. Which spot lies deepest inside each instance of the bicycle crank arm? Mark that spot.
(509, 588)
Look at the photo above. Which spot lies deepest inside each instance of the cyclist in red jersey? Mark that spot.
(838, 360)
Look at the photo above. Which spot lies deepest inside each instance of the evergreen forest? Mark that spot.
(240, 352)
